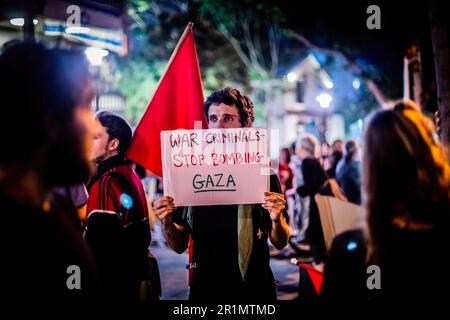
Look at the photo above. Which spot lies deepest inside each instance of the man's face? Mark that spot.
(223, 116)
(100, 143)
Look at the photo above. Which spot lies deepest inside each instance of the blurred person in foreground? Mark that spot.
(407, 185)
(77, 197)
(46, 98)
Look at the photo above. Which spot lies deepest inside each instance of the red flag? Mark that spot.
(315, 275)
(176, 104)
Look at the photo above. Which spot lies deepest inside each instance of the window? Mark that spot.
(300, 91)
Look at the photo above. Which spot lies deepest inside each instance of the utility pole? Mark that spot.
(28, 26)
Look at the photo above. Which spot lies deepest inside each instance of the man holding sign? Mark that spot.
(230, 256)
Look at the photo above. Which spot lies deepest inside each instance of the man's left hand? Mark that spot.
(275, 203)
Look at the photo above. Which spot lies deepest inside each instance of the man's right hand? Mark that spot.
(164, 208)
(175, 236)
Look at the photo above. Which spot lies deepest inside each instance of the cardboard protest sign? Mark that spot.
(337, 216)
(215, 166)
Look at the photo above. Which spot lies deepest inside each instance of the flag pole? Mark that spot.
(174, 53)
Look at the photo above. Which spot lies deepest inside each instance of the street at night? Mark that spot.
(225, 159)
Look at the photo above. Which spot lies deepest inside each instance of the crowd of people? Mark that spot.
(71, 200)
(307, 169)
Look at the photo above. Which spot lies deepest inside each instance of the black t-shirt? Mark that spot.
(216, 275)
(37, 250)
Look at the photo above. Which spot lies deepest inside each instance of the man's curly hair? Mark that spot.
(232, 97)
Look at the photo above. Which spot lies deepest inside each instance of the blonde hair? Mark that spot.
(406, 174)
(310, 144)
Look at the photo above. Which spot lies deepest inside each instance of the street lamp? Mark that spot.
(324, 100)
(95, 55)
(292, 77)
(19, 22)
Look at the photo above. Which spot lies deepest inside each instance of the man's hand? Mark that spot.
(175, 236)
(163, 208)
(275, 204)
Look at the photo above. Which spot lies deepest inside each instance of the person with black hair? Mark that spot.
(335, 156)
(118, 229)
(46, 136)
(348, 172)
(230, 257)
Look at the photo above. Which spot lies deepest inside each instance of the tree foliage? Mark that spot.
(155, 28)
(240, 41)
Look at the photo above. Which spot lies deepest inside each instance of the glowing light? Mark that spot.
(360, 123)
(126, 201)
(292, 76)
(19, 22)
(95, 55)
(356, 84)
(324, 100)
(352, 246)
(328, 84)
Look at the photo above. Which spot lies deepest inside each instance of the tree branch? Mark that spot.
(371, 85)
(257, 41)
(136, 18)
(234, 43)
(274, 43)
(251, 48)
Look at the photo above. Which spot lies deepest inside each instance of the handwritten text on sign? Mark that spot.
(215, 166)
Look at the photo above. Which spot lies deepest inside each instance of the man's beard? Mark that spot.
(100, 158)
(104, 156)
